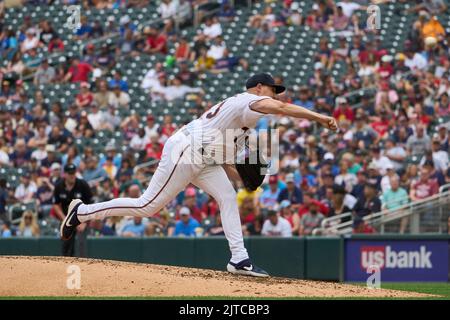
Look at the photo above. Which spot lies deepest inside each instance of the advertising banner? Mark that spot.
(398, 260)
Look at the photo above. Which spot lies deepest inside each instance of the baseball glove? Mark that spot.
(252, 170)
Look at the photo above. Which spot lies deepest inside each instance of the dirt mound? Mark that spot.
(48, 276)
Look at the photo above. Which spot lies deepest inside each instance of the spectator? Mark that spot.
(30, 42)
(156, 41)
(26, 190)
(93, 171)
(418, 143)
(346, 179)
(187, 225)
(369, 203)
(212, 28)
(226, 12)
(177, 91)
(264, 35)
(5, 231)
(85, 97)
(268, 17)
(276, 226)
(228, 63)
(117, 80)
(3, 199)
(118, 99)
(167, 9)
(291, 193)
(216, 228)
(217, 48)
(380, 162)
(268, 199)
(45, 74)
(28, 225)
(349, 7)
(183, 50)
(134, 228)
(103, 96)
(204, 62)
(78, 71)
(310, 220)
(164, 226)
(190, 202)
(343, 110)
(247, 211)
(85, 30)
(289, 213)
(361, 227)
(438, 157)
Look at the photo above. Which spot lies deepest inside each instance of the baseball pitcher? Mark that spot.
(190, 156)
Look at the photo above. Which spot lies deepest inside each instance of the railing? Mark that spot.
(432, 210)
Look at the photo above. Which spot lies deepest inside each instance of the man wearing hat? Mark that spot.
(185, 160)
(186, 225)
(291, 193)
(67, 189)
(276, 226)
(369, 203)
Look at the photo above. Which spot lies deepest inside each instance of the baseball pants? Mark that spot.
(175, 171)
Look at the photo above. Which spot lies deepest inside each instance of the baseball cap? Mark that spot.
(273, 179)
(264, 79)
(55, 166)
(50, 148)
(70, 168)
(285, 204)
(328, 156)
(184, 211)
(190, 192)
(289, 177)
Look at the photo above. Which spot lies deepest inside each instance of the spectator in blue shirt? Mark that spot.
(269, 197)
(134, 228)
(186, 225)
(304, 98)
(85, 30)
(5, 231)
(291, 192)
(118, 81)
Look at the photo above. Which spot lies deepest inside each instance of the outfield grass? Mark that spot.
(439, 288)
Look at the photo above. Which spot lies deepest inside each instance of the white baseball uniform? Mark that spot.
(181, 164)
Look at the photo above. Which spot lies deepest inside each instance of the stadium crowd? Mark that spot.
(392, 146)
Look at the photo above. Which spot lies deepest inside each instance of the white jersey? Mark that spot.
(225, 124)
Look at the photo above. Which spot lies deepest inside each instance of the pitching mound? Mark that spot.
(47, 276)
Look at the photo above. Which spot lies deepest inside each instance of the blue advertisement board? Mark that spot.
(398, 260)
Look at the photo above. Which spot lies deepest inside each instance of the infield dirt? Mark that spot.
(47, 276)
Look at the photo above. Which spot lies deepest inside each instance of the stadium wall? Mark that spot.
(402, 258)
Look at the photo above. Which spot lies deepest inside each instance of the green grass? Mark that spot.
(439, 288)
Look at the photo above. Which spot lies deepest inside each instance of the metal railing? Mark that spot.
(426, 215)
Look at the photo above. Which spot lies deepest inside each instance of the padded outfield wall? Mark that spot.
(401, 258)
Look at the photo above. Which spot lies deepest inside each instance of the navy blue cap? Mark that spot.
(264, 79)
(70, 168)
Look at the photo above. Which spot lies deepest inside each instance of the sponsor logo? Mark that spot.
(388, 258)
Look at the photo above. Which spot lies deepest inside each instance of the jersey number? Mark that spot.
(212, 114)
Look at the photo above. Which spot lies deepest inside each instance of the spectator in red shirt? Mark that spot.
(78, 71)
(360, 226)
(386, 69)
(56, 44)
(154, 148)
(85, 97)
(425, 187)
(343, 110)
(156, 42)
(308, 199)
(190, 201)
(382, 126)
(210, 208)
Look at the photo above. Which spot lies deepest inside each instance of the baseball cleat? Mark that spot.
(246, 268)
(70, 222)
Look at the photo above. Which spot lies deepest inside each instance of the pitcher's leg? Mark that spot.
(171, 176)
(214, 181)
